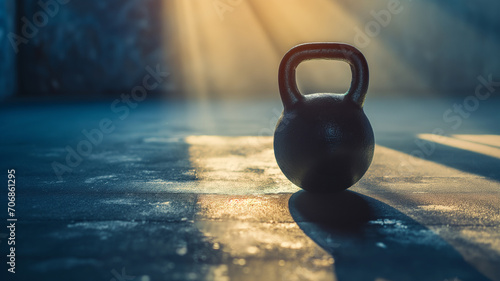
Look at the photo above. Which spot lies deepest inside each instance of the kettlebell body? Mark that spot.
(323, 142)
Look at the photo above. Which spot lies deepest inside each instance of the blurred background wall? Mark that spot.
(8, 78)
(232, 48)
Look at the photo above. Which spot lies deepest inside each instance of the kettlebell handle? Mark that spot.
(289, 91)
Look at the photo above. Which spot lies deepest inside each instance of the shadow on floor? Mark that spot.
(369, 239)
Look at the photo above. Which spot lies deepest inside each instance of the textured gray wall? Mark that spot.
(7, 55)
(90, 47)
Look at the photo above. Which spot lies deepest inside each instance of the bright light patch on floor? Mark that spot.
(491, 140)
(443, 208)
(249, 242)
(481, 144)
(236, 165)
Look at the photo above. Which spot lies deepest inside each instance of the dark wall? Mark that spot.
(88, 48)
(7, 55)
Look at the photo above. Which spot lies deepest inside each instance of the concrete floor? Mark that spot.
(191, 191)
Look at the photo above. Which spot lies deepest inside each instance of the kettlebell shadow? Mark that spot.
(369, 239)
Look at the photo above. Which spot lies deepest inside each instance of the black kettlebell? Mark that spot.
(323, 142)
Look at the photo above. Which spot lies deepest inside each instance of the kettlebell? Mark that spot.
(323, 142)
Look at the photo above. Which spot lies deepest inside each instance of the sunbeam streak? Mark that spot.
(467, 142)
